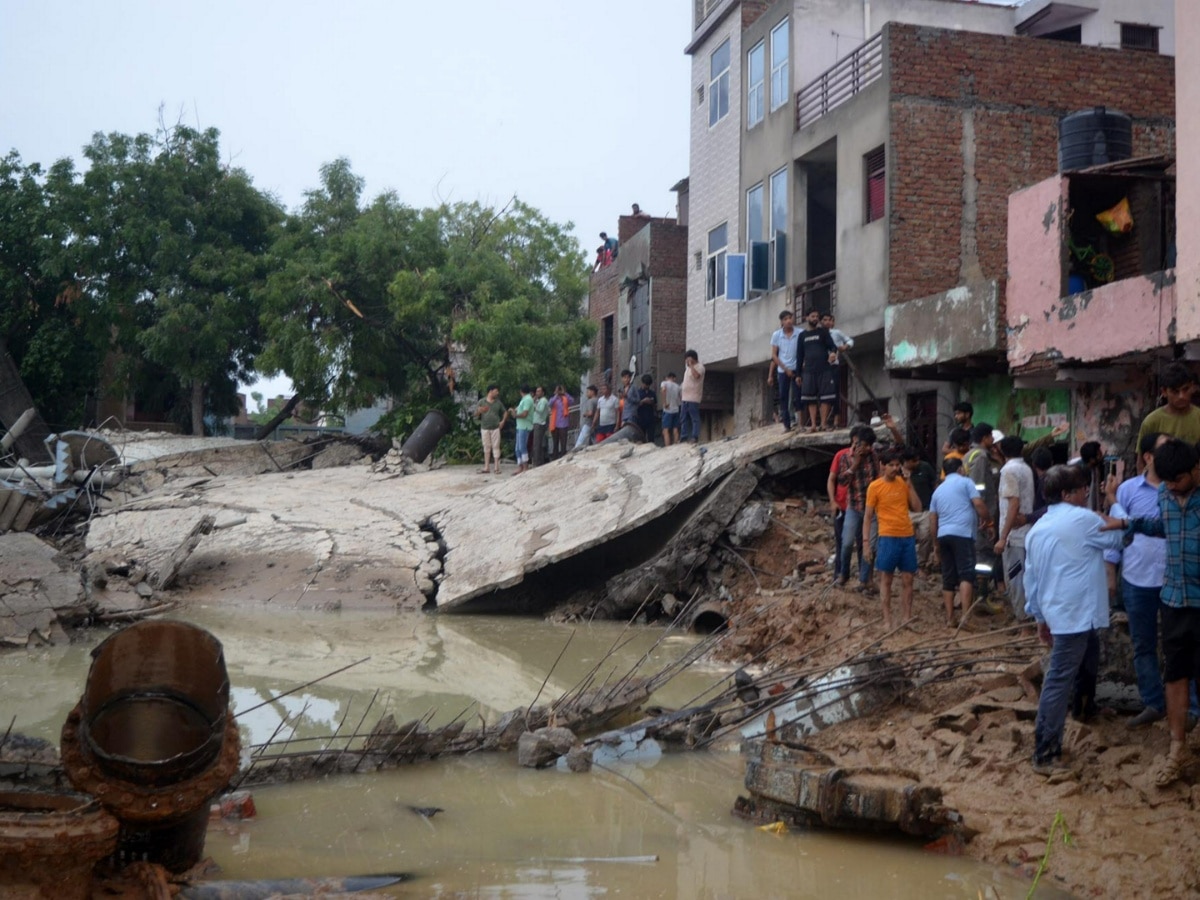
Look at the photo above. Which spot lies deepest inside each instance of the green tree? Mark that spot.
(54, 330)
(378, 299)
(172, 242)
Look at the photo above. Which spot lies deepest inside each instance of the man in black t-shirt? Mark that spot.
(817, 354)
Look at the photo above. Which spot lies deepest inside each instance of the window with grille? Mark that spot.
(875, 169)
(1139, 37)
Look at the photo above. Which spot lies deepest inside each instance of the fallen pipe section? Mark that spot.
(153, 739)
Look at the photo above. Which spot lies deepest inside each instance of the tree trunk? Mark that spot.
(264, 431)
(14, 400)
(197, 407)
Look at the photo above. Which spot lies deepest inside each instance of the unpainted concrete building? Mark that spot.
(877, 145)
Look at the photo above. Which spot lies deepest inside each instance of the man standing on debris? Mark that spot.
(1178, 465)
(818, 352)
(587, 418)
(1067, 594)
(541, 419)
(607, 409)
(1143, 564)
(856, 471)
(560, 420)
(838, 496)
(892, 498)
(691, 392)
(670, 409)
(785, 348)
(1016, 494)
(954, 515)
(964, 418)
(524, 418)
(842, 341)
(983, 469)
(645, 414)
(491, 415)
(1178, 417)
(921, 476)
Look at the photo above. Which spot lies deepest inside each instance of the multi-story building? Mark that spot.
(876, 186)
(638, 301)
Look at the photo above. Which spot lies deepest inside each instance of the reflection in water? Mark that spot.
(505, 831)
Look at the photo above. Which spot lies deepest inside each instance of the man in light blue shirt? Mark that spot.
(954, 513)
(1066, 592)
(785, 344)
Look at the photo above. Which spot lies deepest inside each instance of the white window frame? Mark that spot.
(779, 185)
(756, 85)
(781, 88)
(718, 85)
(714, 270)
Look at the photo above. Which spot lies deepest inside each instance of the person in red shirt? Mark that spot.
(839, 495)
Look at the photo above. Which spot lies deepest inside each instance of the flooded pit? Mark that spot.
(503, 831)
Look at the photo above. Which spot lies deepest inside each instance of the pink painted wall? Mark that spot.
(1104, 323)
(1187, 137)
(1035, 277)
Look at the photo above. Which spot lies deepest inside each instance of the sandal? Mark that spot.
(1177, 762)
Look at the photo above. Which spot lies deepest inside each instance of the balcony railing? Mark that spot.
(839, 83)
(704, 8)
(819, 293)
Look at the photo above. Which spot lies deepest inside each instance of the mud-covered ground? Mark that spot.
(972, 735)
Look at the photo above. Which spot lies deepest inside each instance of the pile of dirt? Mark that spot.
(973, 734)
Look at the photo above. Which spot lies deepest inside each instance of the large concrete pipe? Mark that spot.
(153, 739)
(434, 427)
(49, 843)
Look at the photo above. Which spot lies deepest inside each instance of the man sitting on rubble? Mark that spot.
(1067, 594)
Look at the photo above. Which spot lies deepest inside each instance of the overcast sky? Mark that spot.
(577, 108)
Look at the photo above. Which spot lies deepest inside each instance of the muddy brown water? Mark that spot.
(656, 827)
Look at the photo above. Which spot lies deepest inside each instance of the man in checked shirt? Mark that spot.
(1178, 466)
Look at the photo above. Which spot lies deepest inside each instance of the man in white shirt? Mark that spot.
(1016, 493)
(785, 345)
(670, 393)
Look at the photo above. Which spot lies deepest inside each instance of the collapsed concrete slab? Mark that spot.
(359, 537)
(36, 587)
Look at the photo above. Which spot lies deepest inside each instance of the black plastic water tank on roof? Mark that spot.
(1093, 137)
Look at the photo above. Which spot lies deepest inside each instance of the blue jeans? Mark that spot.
(1066, 659)
(851, 540)
(839, 522)
(689, 421)
(1142, 605)
(522, 446)
(785, 390)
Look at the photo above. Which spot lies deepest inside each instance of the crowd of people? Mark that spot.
(1065, 542)
(541, 421)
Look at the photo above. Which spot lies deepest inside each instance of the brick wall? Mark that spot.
(603, 291)
(963, 101)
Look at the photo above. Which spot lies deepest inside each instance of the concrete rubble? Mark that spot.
(260, 522)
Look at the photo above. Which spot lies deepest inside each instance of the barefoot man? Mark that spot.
(890, 498)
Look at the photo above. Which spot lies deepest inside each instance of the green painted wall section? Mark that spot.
(1028, 413)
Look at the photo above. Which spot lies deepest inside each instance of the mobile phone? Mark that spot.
(1110, 465)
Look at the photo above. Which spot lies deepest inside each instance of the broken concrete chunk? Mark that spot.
(536, 749)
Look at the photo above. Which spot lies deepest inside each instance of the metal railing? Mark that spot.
(819, 293)
(840, 82)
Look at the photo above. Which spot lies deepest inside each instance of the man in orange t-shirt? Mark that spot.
(890, 498)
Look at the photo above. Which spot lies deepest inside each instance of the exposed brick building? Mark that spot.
(639, 301)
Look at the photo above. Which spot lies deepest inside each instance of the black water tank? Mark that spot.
(1093, 137)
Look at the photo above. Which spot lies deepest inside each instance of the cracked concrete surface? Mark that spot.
(351, 538)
